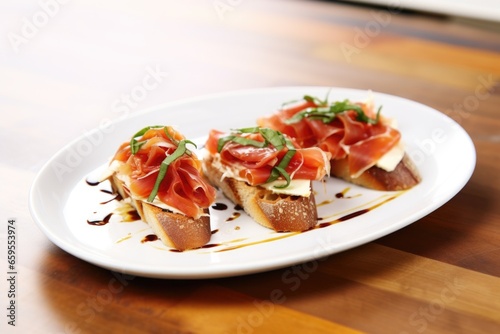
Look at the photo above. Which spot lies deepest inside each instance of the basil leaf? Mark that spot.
(285, 175)
(254, 129)
(308, 98)
(306, 113)
(287, 158)
(240, 140)
(289, 144)
(181, 149)
(279, 170)
(377, 116)
(134, 145)
(169, 136)
(273, 137)
(327, 114)
(327, 96)
(249, 142)
(222, 141)
(314, 99)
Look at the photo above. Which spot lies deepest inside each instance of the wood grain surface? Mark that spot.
(65, 66)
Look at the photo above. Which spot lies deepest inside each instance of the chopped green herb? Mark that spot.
(169, 136)
(135, 146)
(314, 99)
(240, 140)
(253, 129)
(181, 150)
(271, 137)
(279, 170)
(326, 112)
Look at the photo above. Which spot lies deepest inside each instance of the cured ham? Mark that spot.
(181, 187)
(346, 130)
(254, 159)
(268, 175)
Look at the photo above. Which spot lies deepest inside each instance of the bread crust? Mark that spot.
(173, 229)
(282, 213)
(177, 230)
(403, 177)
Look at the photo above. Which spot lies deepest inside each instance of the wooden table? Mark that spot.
(66, 67)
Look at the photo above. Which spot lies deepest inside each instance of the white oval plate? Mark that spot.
(61, 201)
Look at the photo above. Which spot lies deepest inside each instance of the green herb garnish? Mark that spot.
(280, 170)
(181, 150)
(240, 140)
(326, 112)
(169, 136)
(135, 146)
(274, 138)
(271, 137)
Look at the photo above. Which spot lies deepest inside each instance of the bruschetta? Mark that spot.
(163, 180)
(365, 147)
(267, 174)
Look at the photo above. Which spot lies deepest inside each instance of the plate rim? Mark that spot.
(242, 269)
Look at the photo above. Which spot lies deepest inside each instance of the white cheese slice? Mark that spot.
(295, 188)
(158, 203)
(391, 159)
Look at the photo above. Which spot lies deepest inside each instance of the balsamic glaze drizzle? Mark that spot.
(149, 238)
(234, 216)
(219, 206)
(133, 215)
(100, 222)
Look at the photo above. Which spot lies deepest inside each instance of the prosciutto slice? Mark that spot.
(255, 164)
(345, 136)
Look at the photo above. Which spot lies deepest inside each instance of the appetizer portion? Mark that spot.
(267, 174)
(366, 148)
(164, 182)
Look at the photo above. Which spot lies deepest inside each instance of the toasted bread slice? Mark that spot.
(177, 230)
(282, 213)
(403, 177)
(173, 229)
